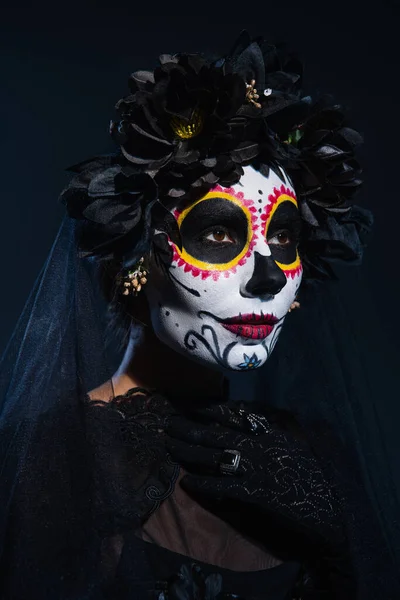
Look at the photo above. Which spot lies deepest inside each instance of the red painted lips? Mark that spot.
(255, 327)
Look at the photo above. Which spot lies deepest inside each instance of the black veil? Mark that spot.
(55, 353)
(334, 368)
(338, 381)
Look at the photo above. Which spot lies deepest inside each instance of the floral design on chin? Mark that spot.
(249, 362)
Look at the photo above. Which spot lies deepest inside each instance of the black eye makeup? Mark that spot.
(215, 231)
(283, 233)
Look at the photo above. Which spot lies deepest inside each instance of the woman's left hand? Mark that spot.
(239, 456)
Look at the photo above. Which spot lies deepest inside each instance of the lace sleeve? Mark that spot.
(133, 473)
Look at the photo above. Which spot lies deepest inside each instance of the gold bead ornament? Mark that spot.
(294, 305)
(251, 93)
(135, 279)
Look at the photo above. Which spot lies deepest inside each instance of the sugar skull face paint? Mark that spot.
(223, 293)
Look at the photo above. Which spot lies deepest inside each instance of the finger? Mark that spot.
(222, 414)
(212, 487)
(227, 416)
(202, 435)
(237, 419)
(198, 456)
(206, 486)
(179, 427)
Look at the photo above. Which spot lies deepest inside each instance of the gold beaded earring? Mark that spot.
(294, 305)
(133, 280)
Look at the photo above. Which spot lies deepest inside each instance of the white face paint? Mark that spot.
(224, 297)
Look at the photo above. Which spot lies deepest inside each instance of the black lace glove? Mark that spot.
(278, 481)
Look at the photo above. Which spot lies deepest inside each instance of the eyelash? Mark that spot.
(292, 237)
(221, 230)
(289, 234)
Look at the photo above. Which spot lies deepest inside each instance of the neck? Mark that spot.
(150, 364)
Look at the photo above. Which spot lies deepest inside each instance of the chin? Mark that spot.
(234, 356)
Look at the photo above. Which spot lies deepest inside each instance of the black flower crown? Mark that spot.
(194, 122)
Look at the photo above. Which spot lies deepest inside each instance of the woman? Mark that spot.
(222, 206)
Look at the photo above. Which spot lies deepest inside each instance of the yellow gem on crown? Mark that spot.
(186, 130)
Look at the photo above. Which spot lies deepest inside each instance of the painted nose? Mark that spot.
(267, 278)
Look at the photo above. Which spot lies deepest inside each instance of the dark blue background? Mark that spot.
(64, 69)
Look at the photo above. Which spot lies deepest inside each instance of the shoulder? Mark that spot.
(103, 392)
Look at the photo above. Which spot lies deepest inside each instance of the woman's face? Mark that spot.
(224, 297)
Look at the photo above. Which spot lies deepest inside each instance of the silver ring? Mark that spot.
(229, 461)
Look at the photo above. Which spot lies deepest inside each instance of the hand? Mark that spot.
(278, 478)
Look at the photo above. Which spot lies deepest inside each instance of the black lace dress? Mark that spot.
(99, 513)
(158, 542)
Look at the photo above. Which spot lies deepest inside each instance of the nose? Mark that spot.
(267, 278)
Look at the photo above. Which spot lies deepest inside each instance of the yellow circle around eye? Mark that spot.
(280, 199)
(290, 266)
(216, 266)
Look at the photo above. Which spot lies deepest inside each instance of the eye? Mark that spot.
(218, 235)
(284, 238)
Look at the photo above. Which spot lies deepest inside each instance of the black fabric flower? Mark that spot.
(339, 238)
(194, 122)
(324, 168)
(112, 202)
(169, 108)
(188, 121)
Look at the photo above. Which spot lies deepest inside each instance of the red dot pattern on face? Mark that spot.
(282, 194)
(213, 272)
